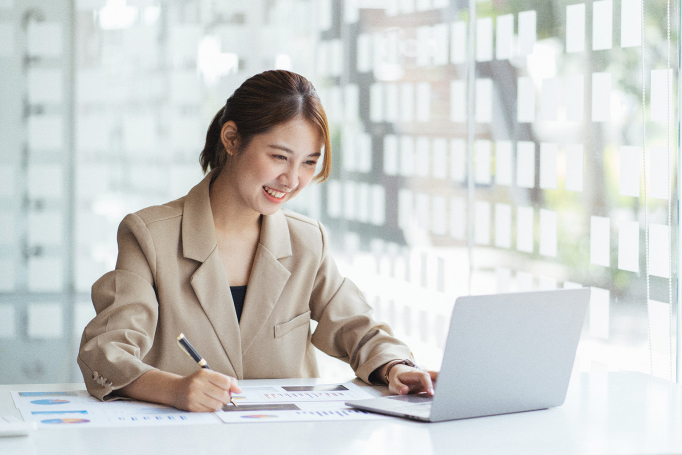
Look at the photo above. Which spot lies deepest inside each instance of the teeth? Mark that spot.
(273, 193)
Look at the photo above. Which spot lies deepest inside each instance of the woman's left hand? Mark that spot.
(405, 379)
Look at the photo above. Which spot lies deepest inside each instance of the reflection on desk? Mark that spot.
(624, 413)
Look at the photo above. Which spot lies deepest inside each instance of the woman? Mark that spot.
(194, 264)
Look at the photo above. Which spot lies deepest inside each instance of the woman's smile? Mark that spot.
(274, 195)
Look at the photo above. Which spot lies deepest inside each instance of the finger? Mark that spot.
(426, 383)
(434, 375)
(396, 386)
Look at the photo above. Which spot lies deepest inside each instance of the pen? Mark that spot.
(189, 349)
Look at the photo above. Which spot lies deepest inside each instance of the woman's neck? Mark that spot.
(229, 216)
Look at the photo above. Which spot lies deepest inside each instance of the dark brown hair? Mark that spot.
(262, 102)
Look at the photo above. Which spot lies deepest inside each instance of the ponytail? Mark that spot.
(213, 156)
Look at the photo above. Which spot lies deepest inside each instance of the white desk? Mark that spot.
(619, 413)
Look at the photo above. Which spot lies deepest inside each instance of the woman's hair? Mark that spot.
(261, 103)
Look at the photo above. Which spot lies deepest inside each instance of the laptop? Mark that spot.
(504, 353)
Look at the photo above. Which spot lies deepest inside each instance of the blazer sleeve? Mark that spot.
(115, 341)
(346, 329)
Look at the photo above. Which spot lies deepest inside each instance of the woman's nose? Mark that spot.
(289, 178)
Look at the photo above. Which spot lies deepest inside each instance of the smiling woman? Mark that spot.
(234, 272)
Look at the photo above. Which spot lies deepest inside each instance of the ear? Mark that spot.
(229, 137)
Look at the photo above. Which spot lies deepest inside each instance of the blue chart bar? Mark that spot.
(58, 412)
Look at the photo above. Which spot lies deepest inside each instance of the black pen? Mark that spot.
(189, 349)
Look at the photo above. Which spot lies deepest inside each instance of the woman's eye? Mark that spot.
(311, 163)
(280, 157)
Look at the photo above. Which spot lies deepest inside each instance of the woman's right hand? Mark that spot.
(204, 391)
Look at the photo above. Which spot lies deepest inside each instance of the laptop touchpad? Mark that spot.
(421, 398)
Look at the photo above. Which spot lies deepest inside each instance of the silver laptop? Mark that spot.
(504, 353)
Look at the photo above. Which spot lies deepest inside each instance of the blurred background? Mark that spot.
(479, 147)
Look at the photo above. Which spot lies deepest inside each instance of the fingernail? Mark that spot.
(431, 391)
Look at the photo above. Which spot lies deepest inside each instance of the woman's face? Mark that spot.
(275, 166)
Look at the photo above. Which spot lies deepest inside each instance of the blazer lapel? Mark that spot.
(209, 281)
(268, 277)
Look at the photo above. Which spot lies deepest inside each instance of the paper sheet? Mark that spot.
(503, 163)
(524, 229)
(45, 321)
(45, 39)
(8, 231)
(458, 101)
(548, 165)
(334, 199)
(6, 39)
(482, 222)
(503, 217)
(484, 100)
(46, 228)
(7, 275)
(376, 103)
(659, 250)
(659, 321)
(575, 97)
(527, 32)
(364, 53)
(549, 99)
(45, 181)
(660, 107)
(439, 169)
(7, 327)
(45, 86)
(405, 208)
(46, 133)
(525, 100)
(658, 173)
(546, 283)
(484, 39)
(457, 218)
(457, 160)
(361, 200)
(440, 38)
(423, 38)
(575, 28)
(599, 312)
(574, 167)
(503, 276)
(458, 42)
(439, 215)
(423, 102)
(601, 97)
(630, 158)
(391, 154)
(600, 240)
(422, 156)
(378, 205)
(349, 200)
(628, 246)
(548, 232)
(422, 202)
(630, 23)
(406, 156)
(524, 281)
(504, 37)
(406, 102)
(602, 25)
(525, 164)
(483, 162)
(392, 95)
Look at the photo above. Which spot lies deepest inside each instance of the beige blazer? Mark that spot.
(169, 279)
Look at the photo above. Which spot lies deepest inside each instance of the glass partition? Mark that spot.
(479, 147)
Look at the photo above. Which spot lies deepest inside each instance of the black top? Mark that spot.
(238, 295)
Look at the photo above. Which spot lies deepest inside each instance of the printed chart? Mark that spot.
(77, 409)
(296, 403)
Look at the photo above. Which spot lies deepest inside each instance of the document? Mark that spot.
(296, 403)
(255, 404)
